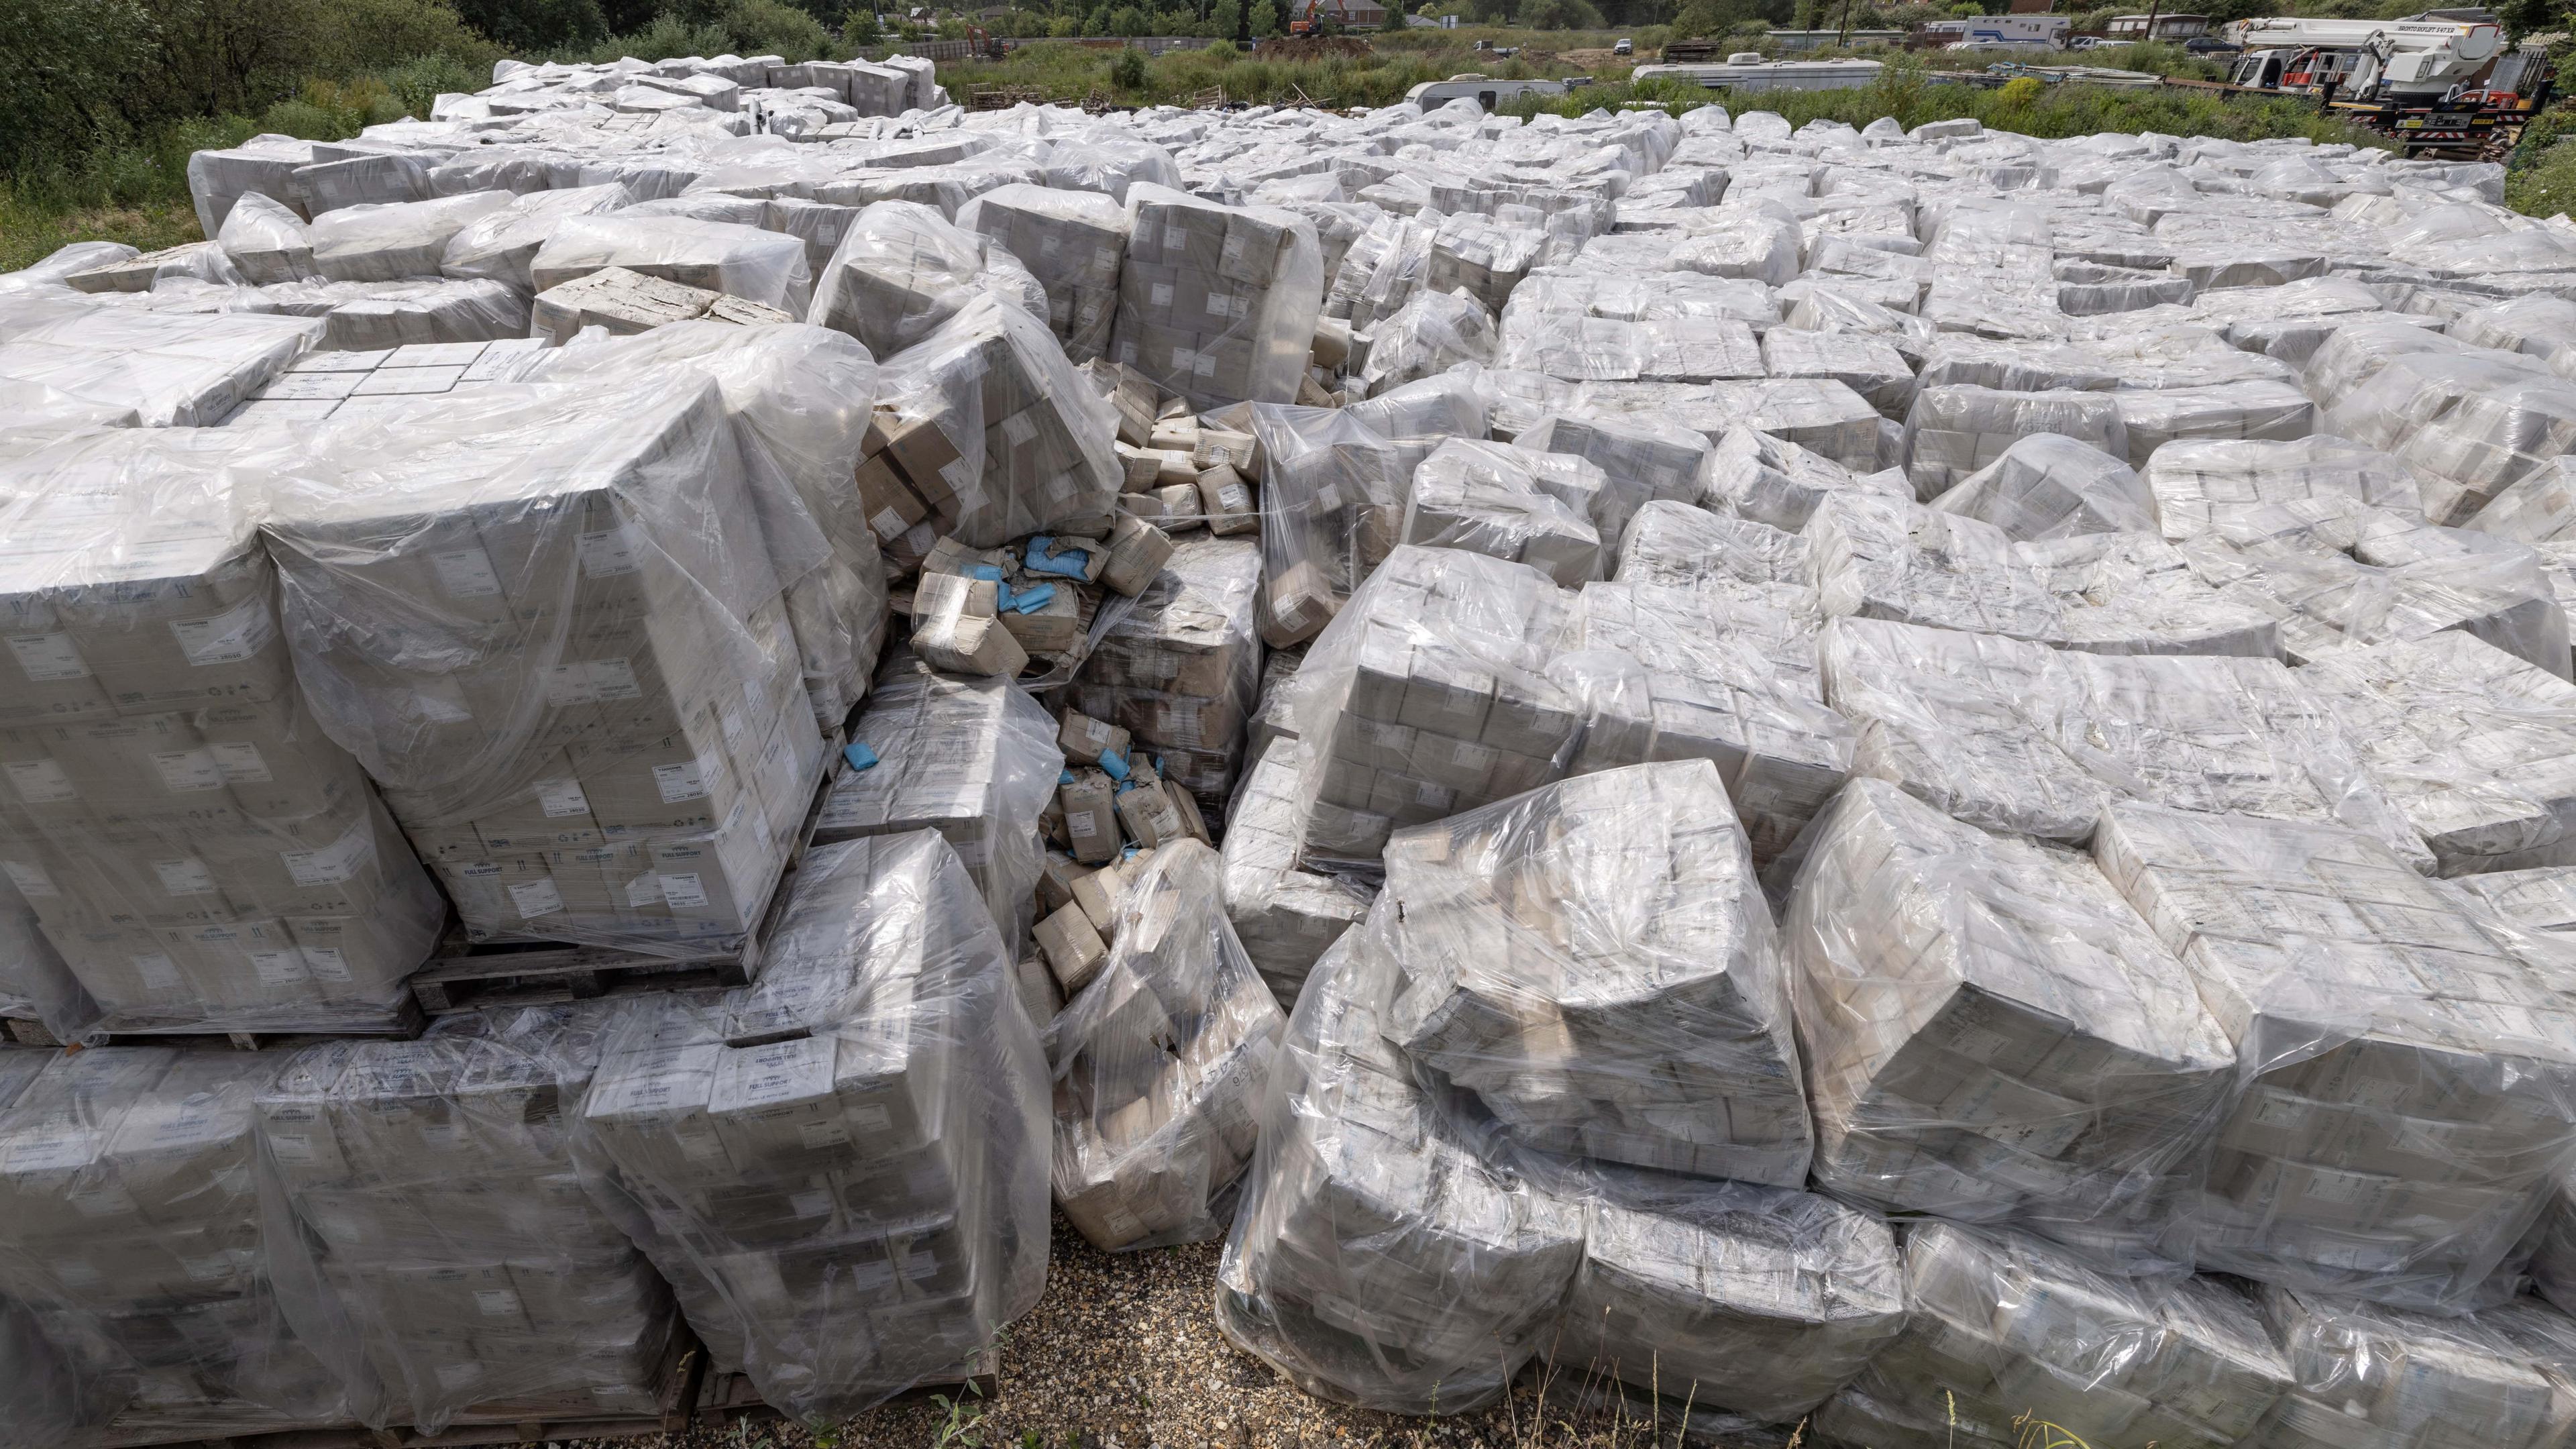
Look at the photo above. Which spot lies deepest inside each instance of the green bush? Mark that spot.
(2548, 185)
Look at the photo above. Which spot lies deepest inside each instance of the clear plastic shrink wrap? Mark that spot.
(1991, 1034)
(1217, 303)
(1026, 443)
(2216, 486)
(172, 369)
(740, 261)
(2007, 1339)
(2473, 422)
(900, 271)
(2477, 747)
(2404, 1064)
(267, 241)
(1760, 478)
(1595, 963)
(1426, 337)
(2539, 507)
(1376, 1260)
(1643, 460)
(2248, 409)
(449, 1264)
(840, 1169)
(1178, 671)
(1073, 242)
(39, 996)
(1425, 697)
(1285, 917)
(2047, 486)
(130, 1185)
(385, 243)
(216, 179)
(1493, 499)
(50, 1394)
(974, 759)
(552, 630)
(201, 854)
(1332, 506)
(2364, 1376)
(501, 245)
(2012, 736)
(1954, 431)
(1160, 1063)
(1681, 543)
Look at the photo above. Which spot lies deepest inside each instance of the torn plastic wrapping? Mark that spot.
(2212, 486)
(2361, 1373)
(841, 1170)
(553, 632)
(2015, 736)
(1427, 336)
(1953, 432)
(1509, 503)
(35, 986)
(130, 1183)
(1160, 1064)
(2473, 422)
(974, 759)
(1426, 697)
(201, 854)
(1594, 962)
(1073, 242)
(1332, 506)
(448, 1263)
(502, 245)
(267, 241)
(740, 261)
(2049, 486)
(1031, 441)
(1992, 1035)
(1215, 303)
(1180, 668)
(1285, 917)
(1766, 480)
(798, 397)
(2403, 1063)
(900, 271)
(2004, 1333)
(1376, 1260)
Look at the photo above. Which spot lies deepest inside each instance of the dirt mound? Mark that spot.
(1310, 47)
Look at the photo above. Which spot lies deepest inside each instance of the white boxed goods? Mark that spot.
(1425, 337)
(203, 856)
(2008, 1338)
(173, 369)
(452, 1264)
(2214, 486)
(619, 301)
(2014, 736)
(1595, 963)
(325, 384)
(267, 241)
(2540, 507)
(500, 245)
(1217, 303)
(1761, 478)
(2253, 408)
(2474, 421)
(1992, 1034)
(1817, 413)
(1643, 460)
(388, 242)
(974, 759)
(552, 631)
(40, 999)
(130, 1191)
(2477, 747)
(841, 1170)
(1870, 366)
(1745, 1298)
(1508, 503)
(1160, 1063)
(1953, 431)
(1376, 1260)
(902, 269)
(739, 261)
(1285, 917)
(1332, 505)
(1684, 544)
(2405, 1097)
(216, 179)
(2049, 486)
(2362, 1374)
(1073, 242)
(1178, 670)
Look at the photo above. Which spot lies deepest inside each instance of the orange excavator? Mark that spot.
(1310, 23)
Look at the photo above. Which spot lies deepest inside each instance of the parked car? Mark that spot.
(1624, 47)
(2210, 45)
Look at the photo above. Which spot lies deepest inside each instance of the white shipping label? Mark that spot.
(327, 964)
(335, 862)
(536, 898)
(1162, 294)
(229, 637)
(48, 657)
(187, 877)
(1219, 304)
(496, 1302)
(241, 764)
(869, 1117)
(644, 890)
(1105, 259)
(684, 892)
(281, 967)
(962, 480)
(567, 685)
(188, 771)
(1080, 825)
(40, 782)
(466, 573)
(1234, 498)
(815, 1204)
(52, 1149)
(822, 1136)
(1182, 358)
(613, 679)
(607, 553)
(1203, 365)
(159, 972)
(887, 524)
(683, 782)
(288, 1146)
(1018, 431)
(1175, 238)
(559, 798)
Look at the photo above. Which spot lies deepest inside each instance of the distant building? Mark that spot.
(1353, 14)
(2167, 27)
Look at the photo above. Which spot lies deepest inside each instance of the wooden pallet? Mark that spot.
(728, 1397)
(467, 975)
(405, 1024)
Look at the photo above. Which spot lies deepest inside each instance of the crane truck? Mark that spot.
(2436, 85)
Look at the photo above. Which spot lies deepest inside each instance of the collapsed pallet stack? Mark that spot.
(1877, 779)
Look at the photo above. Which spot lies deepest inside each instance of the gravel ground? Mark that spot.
(1123, 1352)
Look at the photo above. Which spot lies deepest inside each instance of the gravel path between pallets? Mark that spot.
(1124, 1352)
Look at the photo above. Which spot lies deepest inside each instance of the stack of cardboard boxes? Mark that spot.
(1178, 670)
(1217, 303)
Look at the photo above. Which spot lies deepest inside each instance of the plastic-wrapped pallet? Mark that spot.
(2477, 747)
(900, 271)
(2014, 736)
(50, 1395)
(840, 1169)
(2254, 409)
(172, 369)
(452, 1265)
(740, 261)
(129, 1180)
(2405, 1063)
(1956, 430)
(1992, 1035)
(1594, 961)
(1285, 917)
(1820, 414)
(1160, 1063)
(552, 630)
(2213, 486)
(2365, 1374)
(1678, 543)
(1495, 500)
(1425, 337)
(384, 243)
(1376, 1260)
(1642, 459)
(216, 179)
(1426, 697)
(1758, 477)
(1217, 303)
(38, 993)
(502, 244)
(2473, 422)
(1073, 242)
(1026, 443)
(1332, 506)
(2047, 486)
(2007, 1338)
(203, 856)
(974, 759)
(1179, 670)
(267, 241)
(2538, 507)
(2107, 593)
(1868, 365)
(1745, 1298)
